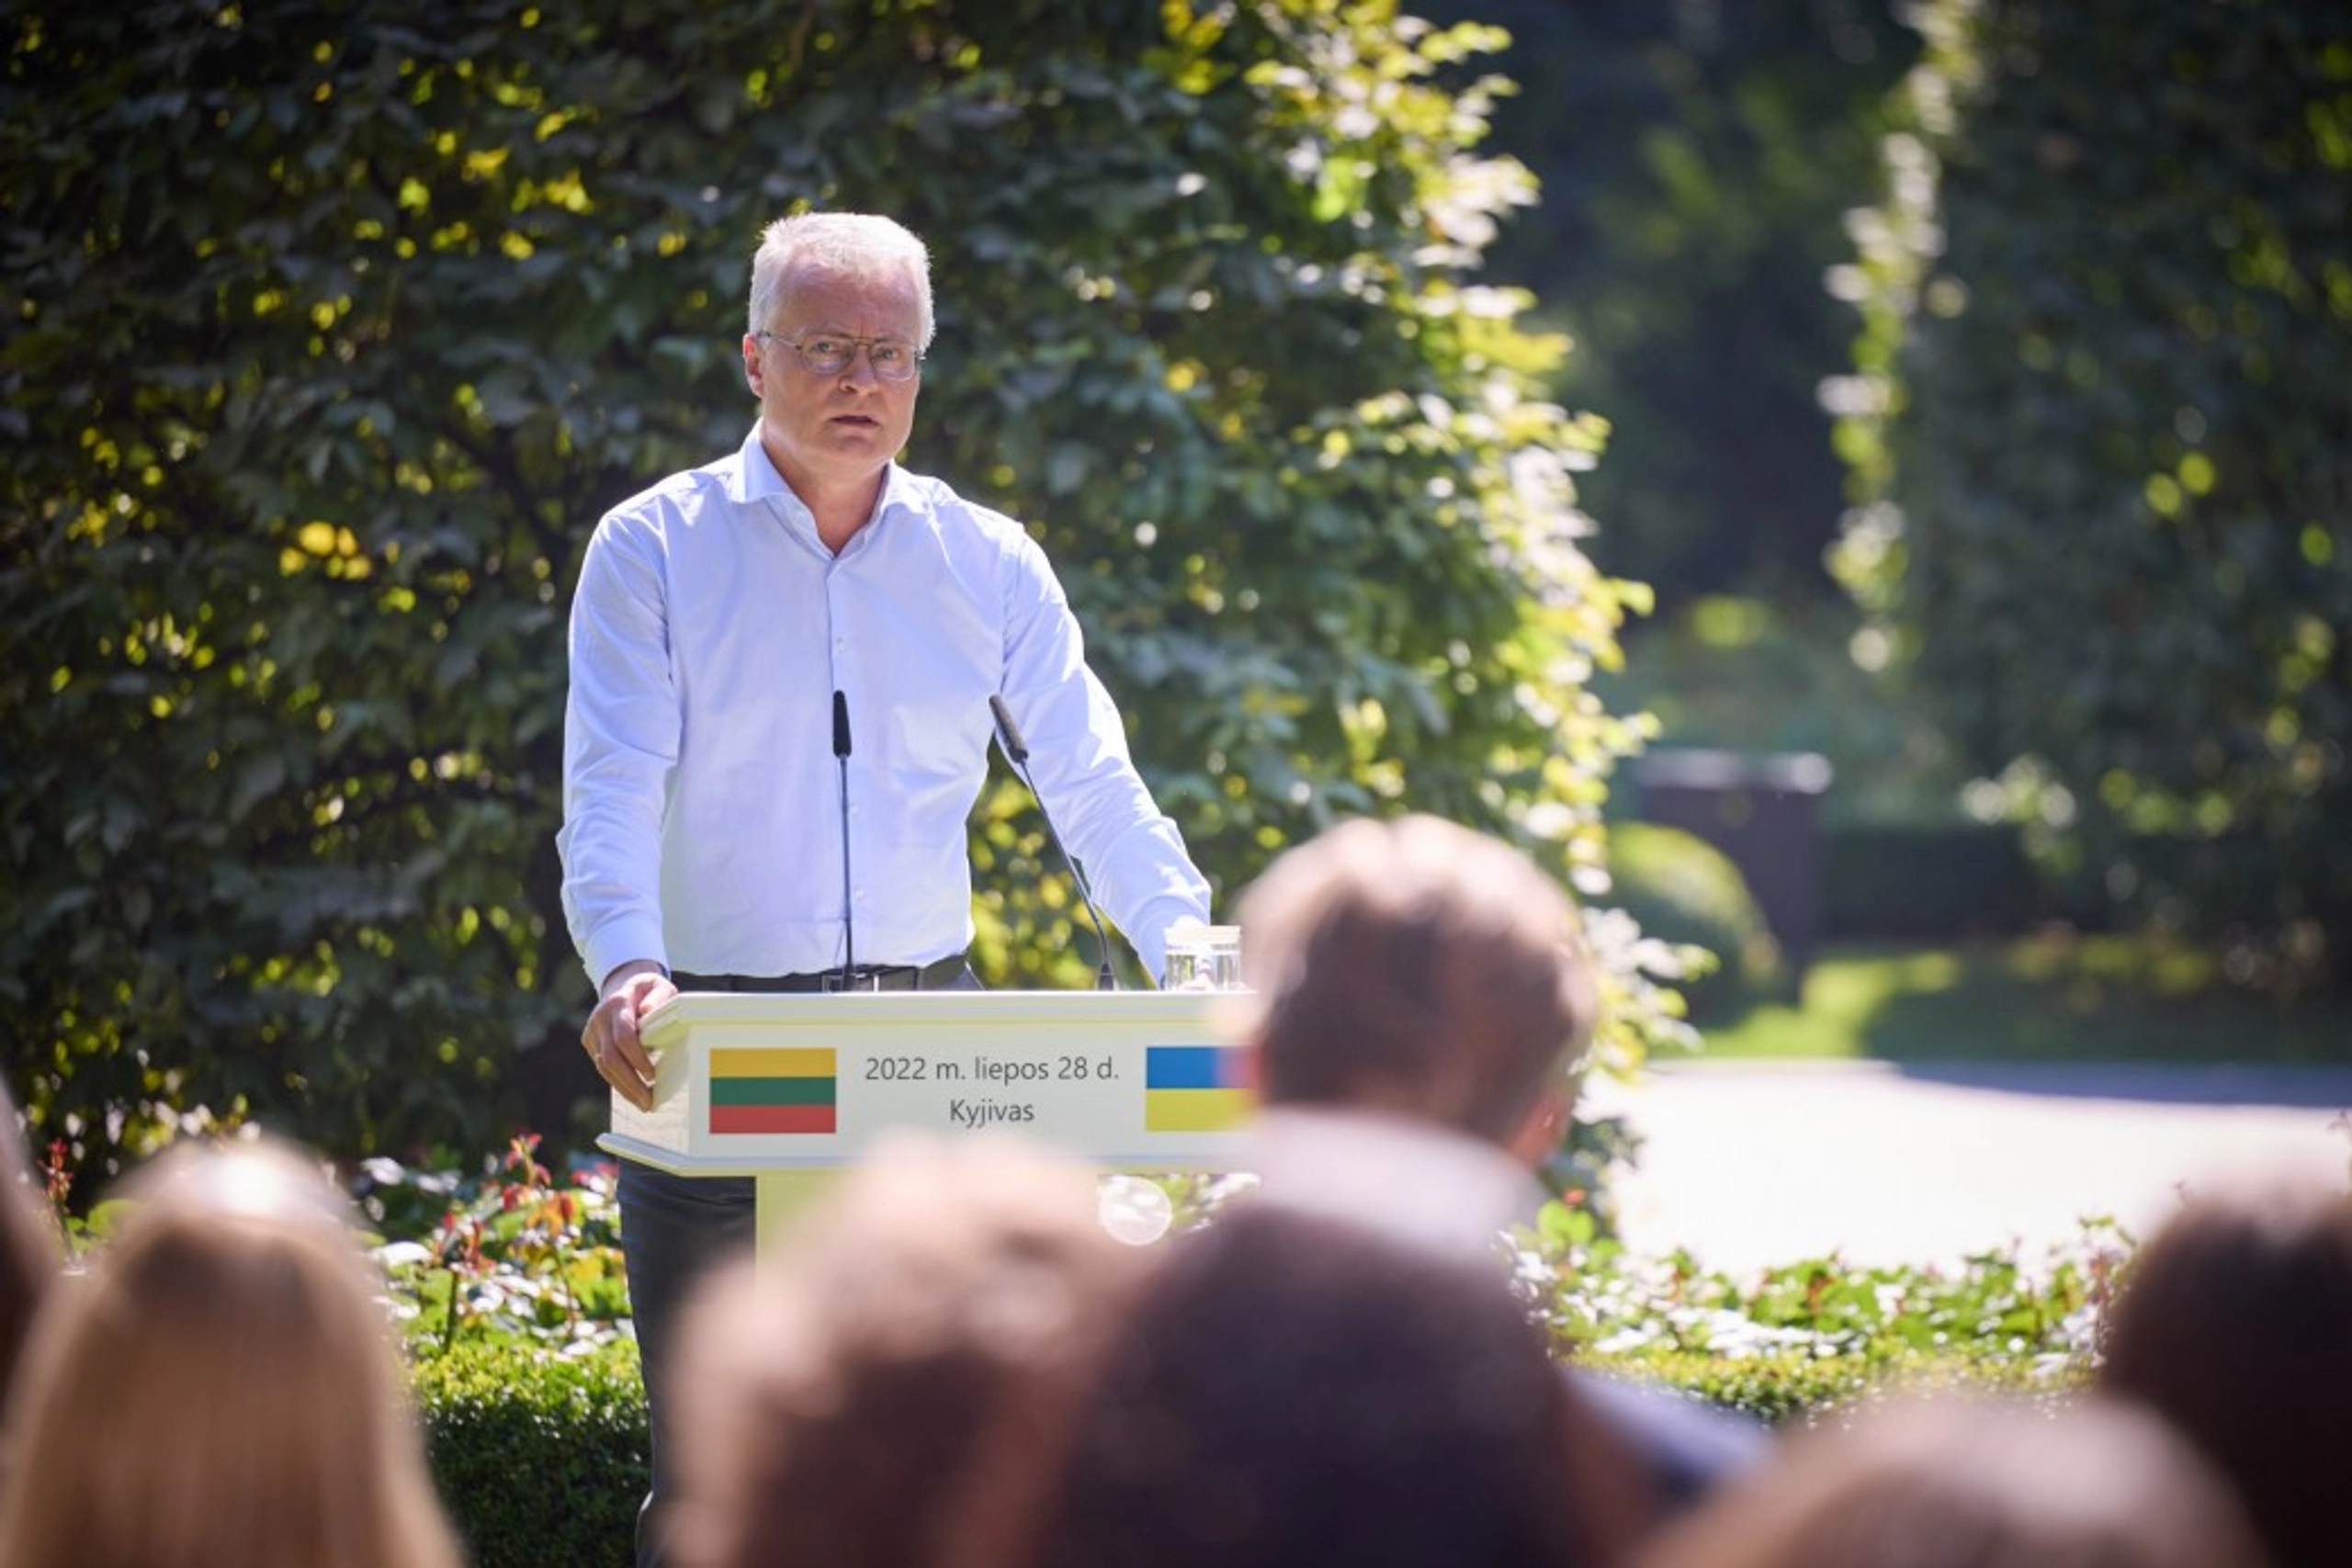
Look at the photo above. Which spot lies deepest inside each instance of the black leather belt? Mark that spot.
(932, 976)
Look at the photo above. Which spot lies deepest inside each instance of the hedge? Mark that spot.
(527, 1378)
(541, 1458)
(539, 1455)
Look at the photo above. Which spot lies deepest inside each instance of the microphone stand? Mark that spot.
(849, 919)
(1007, 735)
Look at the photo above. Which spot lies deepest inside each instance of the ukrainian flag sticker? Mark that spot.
(1198, 1088)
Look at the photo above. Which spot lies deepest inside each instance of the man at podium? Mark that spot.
(786, 666)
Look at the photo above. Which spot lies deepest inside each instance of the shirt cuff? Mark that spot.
(619, 943)
(1151, 941)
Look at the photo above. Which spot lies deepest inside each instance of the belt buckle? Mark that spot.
(860, 979)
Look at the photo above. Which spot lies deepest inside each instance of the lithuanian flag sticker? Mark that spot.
(773, 1090)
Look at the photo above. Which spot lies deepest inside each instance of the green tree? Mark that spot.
(2099, 432)
(334, 326)
(1696, 163)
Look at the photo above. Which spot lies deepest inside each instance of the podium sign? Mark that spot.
(749, 1084)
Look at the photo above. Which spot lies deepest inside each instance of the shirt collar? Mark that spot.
(755, 480)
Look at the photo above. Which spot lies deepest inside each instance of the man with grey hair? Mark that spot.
(734, 626)
(1418, 995)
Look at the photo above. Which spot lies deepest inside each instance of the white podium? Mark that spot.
(788, 1087)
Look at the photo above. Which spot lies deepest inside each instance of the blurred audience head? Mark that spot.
(1293, 1389)
(2235, 1323)
(222, 1388)
(888, 1390)
(1416, 967)
(30, 1257)
(1969, 1483)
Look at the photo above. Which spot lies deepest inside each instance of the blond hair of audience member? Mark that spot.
(221, 1391)
(1972, 1483)
(29, 1259)
(891, 1392)
(2235, 1323)
(1420, 967)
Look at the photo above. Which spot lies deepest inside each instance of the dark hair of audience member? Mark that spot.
(30, 1257)
(1416, 965)
(2235, 1323)
(1971, 1484)
(222, 1389)
(887, 1392)
(1292, 1388)
(1420, 989)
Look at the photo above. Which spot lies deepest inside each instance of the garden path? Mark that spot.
(1753, 1164)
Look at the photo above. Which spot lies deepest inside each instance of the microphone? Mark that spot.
(1007, 735)
(840, 758)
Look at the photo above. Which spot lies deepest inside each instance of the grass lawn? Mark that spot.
(2047, 999)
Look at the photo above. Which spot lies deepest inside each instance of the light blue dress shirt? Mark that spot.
(702, 798)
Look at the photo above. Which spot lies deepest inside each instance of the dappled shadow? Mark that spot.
(2153, 1021)
(2231, 1083)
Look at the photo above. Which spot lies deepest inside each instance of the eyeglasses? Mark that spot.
(894, 360)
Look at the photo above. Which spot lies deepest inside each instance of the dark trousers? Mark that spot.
(674, 1229)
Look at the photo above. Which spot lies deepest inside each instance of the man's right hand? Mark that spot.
(611, 1038)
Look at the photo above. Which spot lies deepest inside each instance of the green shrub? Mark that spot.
(1800, 1388)
(302, 462)
(1685, 891)
(540, 1457)
(522, 1366)
(1801, 1341)
(2097, 446)
(536, 1420)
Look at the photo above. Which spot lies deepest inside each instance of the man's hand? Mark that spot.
(611, 1038)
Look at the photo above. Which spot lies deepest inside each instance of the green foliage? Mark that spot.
(1762, 677)
(1807, 1337)
(2056, 997)
(1798, 1389)
(334, 327)
(2098, 427)
(515, 1309)
(1686, 892)
(1696, 164)
(515, 1254)
(541, 1460)
(539, 1457)
(537, 1434)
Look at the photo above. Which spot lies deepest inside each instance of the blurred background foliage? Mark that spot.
(2030, 319)
(1683, 889)
(1696, 158)
(334, 327)
(2099, 430)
